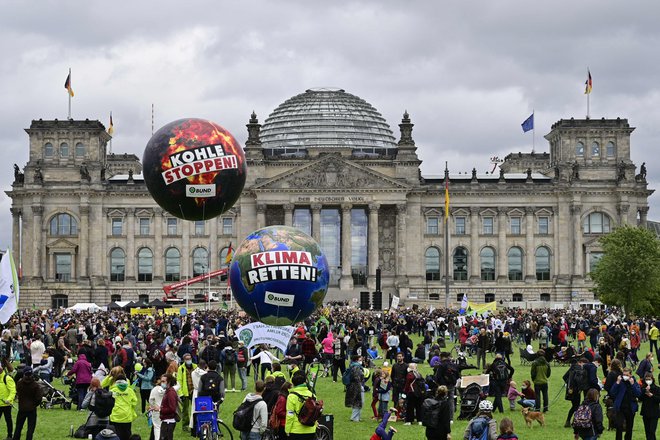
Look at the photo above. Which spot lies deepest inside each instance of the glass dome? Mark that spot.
(328, 118)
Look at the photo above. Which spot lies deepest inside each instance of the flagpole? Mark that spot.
(69, 93)
(588, 105)
(446, 241)
(533, 133)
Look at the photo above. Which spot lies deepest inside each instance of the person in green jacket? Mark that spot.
(7, 395)
(294, 402)
(184, 379)
(540, 374)
(123, 413)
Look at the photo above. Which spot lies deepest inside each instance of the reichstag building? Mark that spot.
(85, 229)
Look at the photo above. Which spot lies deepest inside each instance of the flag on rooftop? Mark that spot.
(588, 84)
(67, 84)
(528, 124)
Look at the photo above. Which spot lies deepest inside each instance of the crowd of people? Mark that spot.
(118, 362)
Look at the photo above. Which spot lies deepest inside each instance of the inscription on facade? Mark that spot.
(330, 199)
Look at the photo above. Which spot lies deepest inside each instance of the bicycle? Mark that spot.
(207, 424)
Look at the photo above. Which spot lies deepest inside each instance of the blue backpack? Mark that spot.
(479, 429)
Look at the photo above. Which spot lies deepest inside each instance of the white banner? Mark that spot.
(9, 290)
(257, 333)
(395, 303)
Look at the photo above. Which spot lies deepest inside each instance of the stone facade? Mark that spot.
(76, 210)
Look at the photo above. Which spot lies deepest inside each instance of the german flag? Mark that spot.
(588, 84)
(447, 198)
(230, 254)
(67, 84)
(111, 127)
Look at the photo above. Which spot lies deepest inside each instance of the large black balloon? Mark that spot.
(194, 169)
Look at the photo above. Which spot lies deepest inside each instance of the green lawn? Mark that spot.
(54, 423)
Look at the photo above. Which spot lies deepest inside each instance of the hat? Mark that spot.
(27, 371)
(386, 364)
(107, 433)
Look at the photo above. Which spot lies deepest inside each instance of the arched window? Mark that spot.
(172, 265)
(610, 149)
(545, 297)
(579, 149)
(595, 150)
(596, 223)
(543, 264)
(59, 301)
(145, 264)
(64, 149)
(200, 261)
(63, 224)
(117, 265)
(487, 258)
(515, 256)
(489, 297)
(460, 264)
(49, 150)
(517, 297)
(432, 261)
(80, 149)
(223, 257)
(115, 298)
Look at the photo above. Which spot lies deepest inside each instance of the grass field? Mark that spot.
(55, 423)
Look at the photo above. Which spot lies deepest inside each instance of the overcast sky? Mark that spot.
(468, 73)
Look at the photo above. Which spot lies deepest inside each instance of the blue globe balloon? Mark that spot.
(279, 275)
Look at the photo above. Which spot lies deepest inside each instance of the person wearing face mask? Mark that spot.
(625, 393)
(123, 413)
(646, 366)
(168, 407)
(184, 377)
(650, 406)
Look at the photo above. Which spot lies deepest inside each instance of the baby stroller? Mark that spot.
(73, 392)
(472, 390)
(53, 397)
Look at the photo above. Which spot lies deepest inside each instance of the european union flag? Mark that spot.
(528, 124)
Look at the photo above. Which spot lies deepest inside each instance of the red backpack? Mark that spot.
(311, 410)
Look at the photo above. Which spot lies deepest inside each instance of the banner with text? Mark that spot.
(481, 308)
(257, 333)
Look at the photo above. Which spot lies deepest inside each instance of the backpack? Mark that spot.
(116, 359)
(311, 410)
(500, 372)
(209, 385)
(449, 375)
(346, 377)
(543, 334)
(104, 402)
(242, 421)
(479, 429)
(430, 413)
(418, 386)
(230, 356)
(577, 379)
(582, 417)
(241, 355)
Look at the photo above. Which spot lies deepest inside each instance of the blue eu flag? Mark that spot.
(528, 124)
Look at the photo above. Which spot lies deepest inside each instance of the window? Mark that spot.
(200, 260)
(432, 260)
(63, 224)
(117, 265)
(172, 226)
(80, 149)
(543, 264)
(144, 226)
(64, 149)
(459, 297)
(487, 264)
(460, 225)
(432, 225)
(63, 267)
(515, 264)
(145, 264)
(223, 258)
(516, 225)
(227, 226)
(545, 297)
(200, 227)
(172, 265)
(359, 233)
(302, 220)
(59, 301)
(594, 258)
(144, 298)
(117, 225)
(115, 298)
(460, 264)
(544, 225)
(488, 225)
(596, 223)
(517, 297)
(610, 149)
(489, 297)
(579, 149)
(595, 150)
(49, 150)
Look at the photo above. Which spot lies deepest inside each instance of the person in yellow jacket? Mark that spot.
(293, 428)
(654, 335)
(123, 413)
(184, 379)
(7, 395)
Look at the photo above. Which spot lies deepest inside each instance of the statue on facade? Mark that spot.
(557, 172)
(642, 171)
(18, 176)
(529, 174)
(501, 174)
(102, 174)
(621, 171)
(38, 176)
(84, 173)
(130, 175)
(576, 171)
(474, 174)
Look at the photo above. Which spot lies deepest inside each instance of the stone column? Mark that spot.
(622, 210)
(130, 244)
(159, 256)
(288, 214)
(346, 280)
(401, 266)
(186, 270)
(316, 222)
(577, 242)
(502, 266)
(643, 213)
(373, 253)
(261, 215)
(530, 252)
(16, 234)
(475, 263)
(37, 242)
(84, 241)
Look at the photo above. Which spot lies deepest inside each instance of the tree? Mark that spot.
(628, 275)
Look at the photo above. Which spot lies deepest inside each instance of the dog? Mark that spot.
(530, 416)
(610, 412)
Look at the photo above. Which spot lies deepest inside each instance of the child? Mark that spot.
(384, 393)
(512, 394)
(401, 410)
(375, 382)
(506, 430)
(381, 433)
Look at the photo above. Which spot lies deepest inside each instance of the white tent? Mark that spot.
(89, 307)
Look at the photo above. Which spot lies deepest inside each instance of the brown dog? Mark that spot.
(530, 416)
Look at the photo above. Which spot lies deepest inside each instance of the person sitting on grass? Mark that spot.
(382, 433)
(483, 421)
